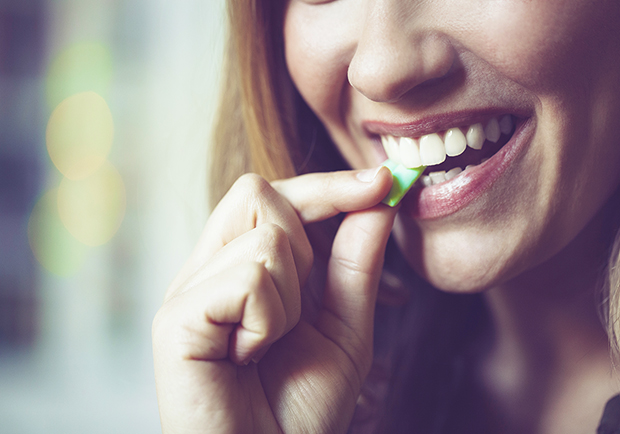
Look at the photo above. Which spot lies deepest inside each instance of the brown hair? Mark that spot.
(254, 128)
(611, 297)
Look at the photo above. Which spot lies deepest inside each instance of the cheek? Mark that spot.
(319, 44)
(546, 46)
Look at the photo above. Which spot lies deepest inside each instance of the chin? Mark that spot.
(455, 275)
(463, 262)
(456, 281)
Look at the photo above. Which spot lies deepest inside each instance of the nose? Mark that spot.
(397, 52)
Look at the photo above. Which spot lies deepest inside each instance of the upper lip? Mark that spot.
(438, 122)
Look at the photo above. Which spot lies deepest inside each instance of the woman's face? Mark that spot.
(547, 70)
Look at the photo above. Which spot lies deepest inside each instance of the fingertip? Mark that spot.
(368, 175)
(372, 174)
(385, 177)
(375, 184)
(382, 182)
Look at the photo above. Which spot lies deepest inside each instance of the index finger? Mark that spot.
(319, 196)
(290, 204)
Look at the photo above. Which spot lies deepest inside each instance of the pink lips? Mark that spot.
(447, 198)
(441, 122)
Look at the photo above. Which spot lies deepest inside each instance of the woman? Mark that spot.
(269, 326)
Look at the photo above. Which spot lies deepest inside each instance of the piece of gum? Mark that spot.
(403, 180)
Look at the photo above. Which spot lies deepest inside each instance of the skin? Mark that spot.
(456, 55)
(231, 353)
(239, 296)
(555, 63)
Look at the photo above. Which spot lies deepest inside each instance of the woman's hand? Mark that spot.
(231, 354)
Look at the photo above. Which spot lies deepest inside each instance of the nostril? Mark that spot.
(377, 83)
(385, 69)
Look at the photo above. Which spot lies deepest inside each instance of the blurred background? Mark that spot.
(105, 112)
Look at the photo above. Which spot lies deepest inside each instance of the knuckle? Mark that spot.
(332, 179)
(275, 243)
(252, 184)
(275, 237)
(275, 325)
(253, 275)
(347, 265)
(260, 290)
(271, 245)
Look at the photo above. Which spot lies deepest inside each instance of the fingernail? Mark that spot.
(368, 175)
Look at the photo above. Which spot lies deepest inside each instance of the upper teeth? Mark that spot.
(432, 149)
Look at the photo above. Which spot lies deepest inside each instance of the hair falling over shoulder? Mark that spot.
(253, 130)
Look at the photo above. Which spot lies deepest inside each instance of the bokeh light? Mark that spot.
(53, 246)
(86, 66)
(93, 208)
(79, 135)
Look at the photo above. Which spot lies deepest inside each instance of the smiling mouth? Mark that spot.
(451, 152)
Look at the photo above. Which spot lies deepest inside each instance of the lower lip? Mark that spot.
(450, 197)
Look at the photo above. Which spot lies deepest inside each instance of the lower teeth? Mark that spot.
(434, 178)
(441, 176)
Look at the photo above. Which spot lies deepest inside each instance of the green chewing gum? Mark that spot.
(403, 180)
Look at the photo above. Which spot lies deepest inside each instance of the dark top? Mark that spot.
(610, 422)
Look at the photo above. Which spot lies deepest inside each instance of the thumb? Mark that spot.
(353, 275)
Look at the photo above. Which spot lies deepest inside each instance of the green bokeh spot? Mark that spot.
(52, 244)
(82, 67)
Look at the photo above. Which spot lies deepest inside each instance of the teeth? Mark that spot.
(391, 147)
(455, 142)
(453, 173)
(475, 136)
(437, 177)
(492, 131)
(505, 124)
(432, 150)
(409, 153)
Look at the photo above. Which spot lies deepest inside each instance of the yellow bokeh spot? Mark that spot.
(93, 208)
(82, 67)
(52, 245)
(79, 135)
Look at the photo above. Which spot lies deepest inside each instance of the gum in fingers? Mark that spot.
(403, 180)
